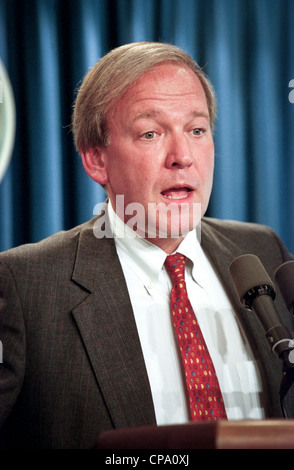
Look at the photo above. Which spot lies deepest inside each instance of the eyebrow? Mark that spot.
(152, 113)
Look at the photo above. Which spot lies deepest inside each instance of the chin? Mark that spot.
(176, 227)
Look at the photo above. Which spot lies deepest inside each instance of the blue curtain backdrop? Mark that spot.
(245, 46)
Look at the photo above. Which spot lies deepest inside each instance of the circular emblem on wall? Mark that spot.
(7, 121)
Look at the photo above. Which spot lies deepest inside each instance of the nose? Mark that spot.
(178, 152)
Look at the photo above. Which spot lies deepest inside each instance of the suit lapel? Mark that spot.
(222, 251)
(107, 326)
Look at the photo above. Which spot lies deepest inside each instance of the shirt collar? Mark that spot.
(147, 259)
(191, 248)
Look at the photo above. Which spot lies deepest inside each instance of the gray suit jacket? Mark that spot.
(72, 360)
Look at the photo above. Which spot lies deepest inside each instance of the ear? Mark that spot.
(94, 162)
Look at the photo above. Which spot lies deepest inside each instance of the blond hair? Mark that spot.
(110, 78)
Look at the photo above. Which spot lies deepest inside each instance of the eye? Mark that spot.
(149, 135)
(197, 132)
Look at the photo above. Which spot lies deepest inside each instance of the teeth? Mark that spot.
(177, 197)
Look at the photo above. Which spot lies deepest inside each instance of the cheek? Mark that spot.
(207, 163)
(131, 179)
(210, 167)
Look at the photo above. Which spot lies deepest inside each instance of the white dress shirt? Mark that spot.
(149, 288)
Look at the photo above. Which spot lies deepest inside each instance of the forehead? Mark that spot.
(166, 84)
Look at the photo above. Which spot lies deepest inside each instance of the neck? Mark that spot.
(169, 245)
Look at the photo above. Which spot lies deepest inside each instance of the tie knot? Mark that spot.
(175, 265)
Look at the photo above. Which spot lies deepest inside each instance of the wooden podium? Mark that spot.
(264, 434)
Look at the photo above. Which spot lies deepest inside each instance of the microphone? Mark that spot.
(284, 277)
(256, 292)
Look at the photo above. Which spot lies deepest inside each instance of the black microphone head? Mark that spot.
(284, 277)
(248, 272)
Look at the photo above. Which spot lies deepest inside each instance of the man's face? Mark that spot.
(161, 150)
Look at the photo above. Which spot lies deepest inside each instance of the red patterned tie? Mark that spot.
(205, 398)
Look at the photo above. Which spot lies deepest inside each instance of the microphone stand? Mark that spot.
(259, 299)
(284, 276)
(287, 358)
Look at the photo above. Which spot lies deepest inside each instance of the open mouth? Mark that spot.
(177, 193)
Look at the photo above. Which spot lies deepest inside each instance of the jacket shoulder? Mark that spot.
(49, 251)
(231, 226)
(248, 236)
(235, 228)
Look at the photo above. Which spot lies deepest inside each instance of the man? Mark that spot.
(87, 335)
